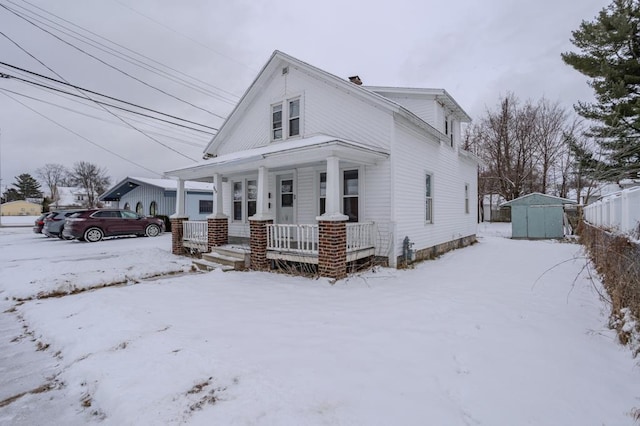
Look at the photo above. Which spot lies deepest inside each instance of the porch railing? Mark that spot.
(359, 236)
(293, 238)
(304, 238)
(195, 234)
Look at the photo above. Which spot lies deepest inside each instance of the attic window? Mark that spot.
(285, 70)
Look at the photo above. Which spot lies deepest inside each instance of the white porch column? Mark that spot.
(217, 198)
(332, 211)
(179, 200)
(262, 203)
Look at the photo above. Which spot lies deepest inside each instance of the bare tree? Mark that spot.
(92, 178)
(53, 176)
(549, 131)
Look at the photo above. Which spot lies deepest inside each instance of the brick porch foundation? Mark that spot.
(332, 249)
(258, 229)
(177, 246)
(217, 232)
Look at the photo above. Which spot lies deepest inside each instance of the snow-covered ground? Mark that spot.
(501, 333)
(17, 220)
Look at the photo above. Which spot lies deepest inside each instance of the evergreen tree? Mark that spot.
(610, 56)
(11, 194)
(27, 187)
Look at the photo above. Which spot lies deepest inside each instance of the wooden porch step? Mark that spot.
(206, 265)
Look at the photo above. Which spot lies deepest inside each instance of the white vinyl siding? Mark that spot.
(416, 154)
(324, 109)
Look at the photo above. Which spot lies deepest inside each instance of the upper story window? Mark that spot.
(285, 119)
(294, 117)
(276, 122)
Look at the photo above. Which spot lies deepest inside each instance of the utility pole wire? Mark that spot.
(34, 83)
(104, 108)
(82, 137)
(177, 139)
(131, 59)
(185, 36)
(233, 95)
(109, 65)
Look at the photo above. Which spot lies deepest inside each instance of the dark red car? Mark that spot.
(39, 223)
(92, 225)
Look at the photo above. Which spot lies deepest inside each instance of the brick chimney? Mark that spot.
(355, 80)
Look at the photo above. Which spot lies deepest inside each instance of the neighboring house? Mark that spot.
(317, 169)
(154, 197)
(69, 197)
(21, 208)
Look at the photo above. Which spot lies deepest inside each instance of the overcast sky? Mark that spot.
(476, 50)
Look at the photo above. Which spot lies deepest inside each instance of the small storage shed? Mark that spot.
(536, 216)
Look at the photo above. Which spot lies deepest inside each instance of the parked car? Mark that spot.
(54, 222)
(94, 224)
(39, 223)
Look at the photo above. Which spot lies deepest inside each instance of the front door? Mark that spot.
(286, 199)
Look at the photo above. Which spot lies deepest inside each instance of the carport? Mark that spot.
(537, 216)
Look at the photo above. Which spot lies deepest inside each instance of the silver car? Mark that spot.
(54, 222)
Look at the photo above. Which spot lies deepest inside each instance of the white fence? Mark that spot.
(618, 211)
(195, 234)
(304, 238)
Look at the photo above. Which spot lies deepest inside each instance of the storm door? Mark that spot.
(286, 199)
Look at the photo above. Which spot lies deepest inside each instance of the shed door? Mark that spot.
(544, 222)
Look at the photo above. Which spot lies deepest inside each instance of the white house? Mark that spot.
(314, 168)
(153, 197)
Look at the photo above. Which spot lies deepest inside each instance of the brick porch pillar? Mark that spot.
(259, 244)
(177, 246)
(332, 248)
(217, 231)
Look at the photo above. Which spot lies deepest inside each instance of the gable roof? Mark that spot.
(278, 59)
(130, 183)
(538, 197)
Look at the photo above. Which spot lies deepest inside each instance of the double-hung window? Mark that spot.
(245, 199)
(350, 192)
(252, 197)
(294, 117)
(466, 198)
(237, 200)
(350, 195)
(428, 216)
(276, 122)
(285, 119)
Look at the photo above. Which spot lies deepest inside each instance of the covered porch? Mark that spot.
(294, 201)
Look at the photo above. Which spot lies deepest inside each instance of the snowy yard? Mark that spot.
(504, 332)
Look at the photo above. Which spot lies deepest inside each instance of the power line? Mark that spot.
(103, 103)
(95, 93)
(102, 119)
(83, 38)
(82, 137)
(109, 65)
(107, 110)
(185, 36)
